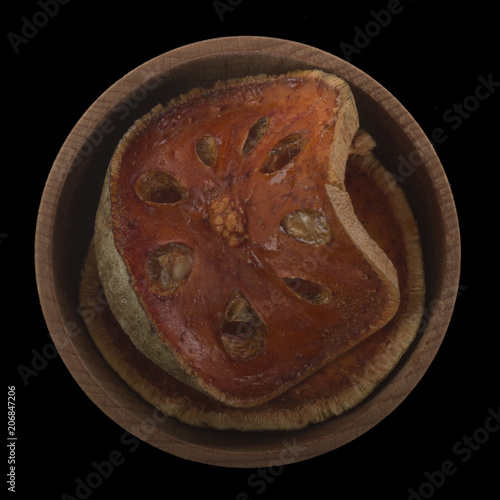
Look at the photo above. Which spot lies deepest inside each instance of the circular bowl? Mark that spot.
(69, 203)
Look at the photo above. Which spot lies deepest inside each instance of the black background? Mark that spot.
(430, 59)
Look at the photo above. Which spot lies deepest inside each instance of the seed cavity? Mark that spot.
(306, 225)
(206, 150)
(283, 153)
(158, 187)
(255, 134)
(168, 268)
(243, 334)
(309, 291)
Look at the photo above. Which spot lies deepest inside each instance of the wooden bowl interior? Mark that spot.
(80, 183)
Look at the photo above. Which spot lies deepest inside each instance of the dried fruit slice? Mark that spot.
(381, 205)
(227, 245)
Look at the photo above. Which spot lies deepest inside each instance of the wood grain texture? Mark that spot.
(65, 226)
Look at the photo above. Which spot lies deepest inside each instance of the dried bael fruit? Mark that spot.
(381, 205)
(227, 245)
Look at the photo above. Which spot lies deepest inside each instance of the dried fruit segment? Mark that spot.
(243, 333)
(206, 150)
(168, 267)
(307, 225)
(155, 186)
(307, 290)
(224, 221)
(283, 153)
(255, 134)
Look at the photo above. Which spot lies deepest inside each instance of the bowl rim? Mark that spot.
(227, 449)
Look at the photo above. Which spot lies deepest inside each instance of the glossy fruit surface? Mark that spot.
(251, 272)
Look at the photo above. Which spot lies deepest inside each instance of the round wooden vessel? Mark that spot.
(66, 219)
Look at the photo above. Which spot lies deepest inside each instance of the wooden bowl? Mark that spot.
(68, 207)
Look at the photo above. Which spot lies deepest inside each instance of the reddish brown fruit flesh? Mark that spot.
(236, 177)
